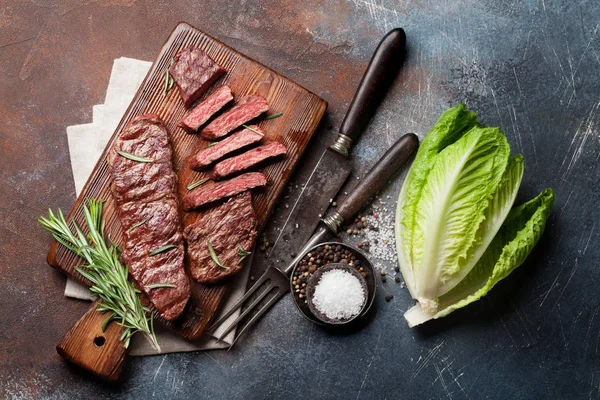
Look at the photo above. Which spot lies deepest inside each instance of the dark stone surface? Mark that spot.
(531, 67)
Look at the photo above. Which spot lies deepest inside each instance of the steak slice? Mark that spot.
(145, 196)
(247, 108)
(206, 109)
(248, 159)
(194, 71)
(220, 190)
(225, 227)
(226, 146)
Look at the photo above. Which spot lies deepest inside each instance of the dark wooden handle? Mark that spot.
(378, 77)
(101, 353)
(378, 176)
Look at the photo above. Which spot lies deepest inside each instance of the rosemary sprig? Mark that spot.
(103, 268)
(133, 157)
(168, 79)
(213, 255)
(195, 184)
(252, 129)
(274, 116)
(162, 249)
(160, 285)
(242, 254)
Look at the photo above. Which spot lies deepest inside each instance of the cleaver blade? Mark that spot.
(323, 184)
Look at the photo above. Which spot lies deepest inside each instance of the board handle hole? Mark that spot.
(99, 341)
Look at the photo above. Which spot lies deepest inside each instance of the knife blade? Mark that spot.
(334, 167)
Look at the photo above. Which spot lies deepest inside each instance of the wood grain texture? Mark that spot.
(302, 112)
(85, 345)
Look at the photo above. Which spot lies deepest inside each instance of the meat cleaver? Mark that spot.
(333, 167)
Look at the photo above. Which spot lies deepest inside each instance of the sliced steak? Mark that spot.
(218, 150)
(145, 195)
(206, 109)
(225, 227)
(248, 159)
(194, 71)
(221, 190)
(247, 108)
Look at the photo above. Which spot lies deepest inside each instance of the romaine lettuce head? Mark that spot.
(452, 210)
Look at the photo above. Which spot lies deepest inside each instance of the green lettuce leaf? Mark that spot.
(499, 206)
(450, 127)
(510, 247)
(453, 205)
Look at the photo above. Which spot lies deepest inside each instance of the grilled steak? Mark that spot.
(226, 146)
(225, 227)
(248, 159)
(194, 71)
(247, 108)
(145, 195)
(221, 190)
(206, 109)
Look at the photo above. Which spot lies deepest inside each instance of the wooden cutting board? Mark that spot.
(302, 112)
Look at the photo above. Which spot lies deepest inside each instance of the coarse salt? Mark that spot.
(339, 295)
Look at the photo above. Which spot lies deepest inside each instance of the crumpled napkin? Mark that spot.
(86, 144)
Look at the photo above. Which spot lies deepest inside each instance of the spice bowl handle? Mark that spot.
(100, 352)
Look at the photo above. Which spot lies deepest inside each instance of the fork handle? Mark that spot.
(374, 181)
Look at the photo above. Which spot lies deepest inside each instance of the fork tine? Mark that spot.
(241, 301)
(247, 311)
(278, 294)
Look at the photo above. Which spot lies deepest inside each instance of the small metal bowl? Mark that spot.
(314, 281)
(371, 287)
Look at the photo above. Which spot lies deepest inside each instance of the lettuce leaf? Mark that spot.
(453, 205)
(450, 127)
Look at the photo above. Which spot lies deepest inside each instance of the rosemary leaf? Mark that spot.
(194, 185)
(213, 255)
(133, 157)
(252, 129)
(105, 324)
(137, 225)
(242, 254)
(159, 285)
(211, 144)
(162, 249)
(168, 79)
(274, 116)
(242, 250)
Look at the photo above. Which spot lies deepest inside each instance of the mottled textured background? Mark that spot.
(531, 67)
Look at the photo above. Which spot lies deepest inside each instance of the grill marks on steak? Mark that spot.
(247, 108)
(225, 227)
(235, 142)
(221, 190)
(248, 159)
(145, 195)
(194, 71)
(206, 109)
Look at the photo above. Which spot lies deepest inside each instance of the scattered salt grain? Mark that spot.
(339, 295)
(381, 239)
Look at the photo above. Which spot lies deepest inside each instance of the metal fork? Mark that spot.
(276, 282)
